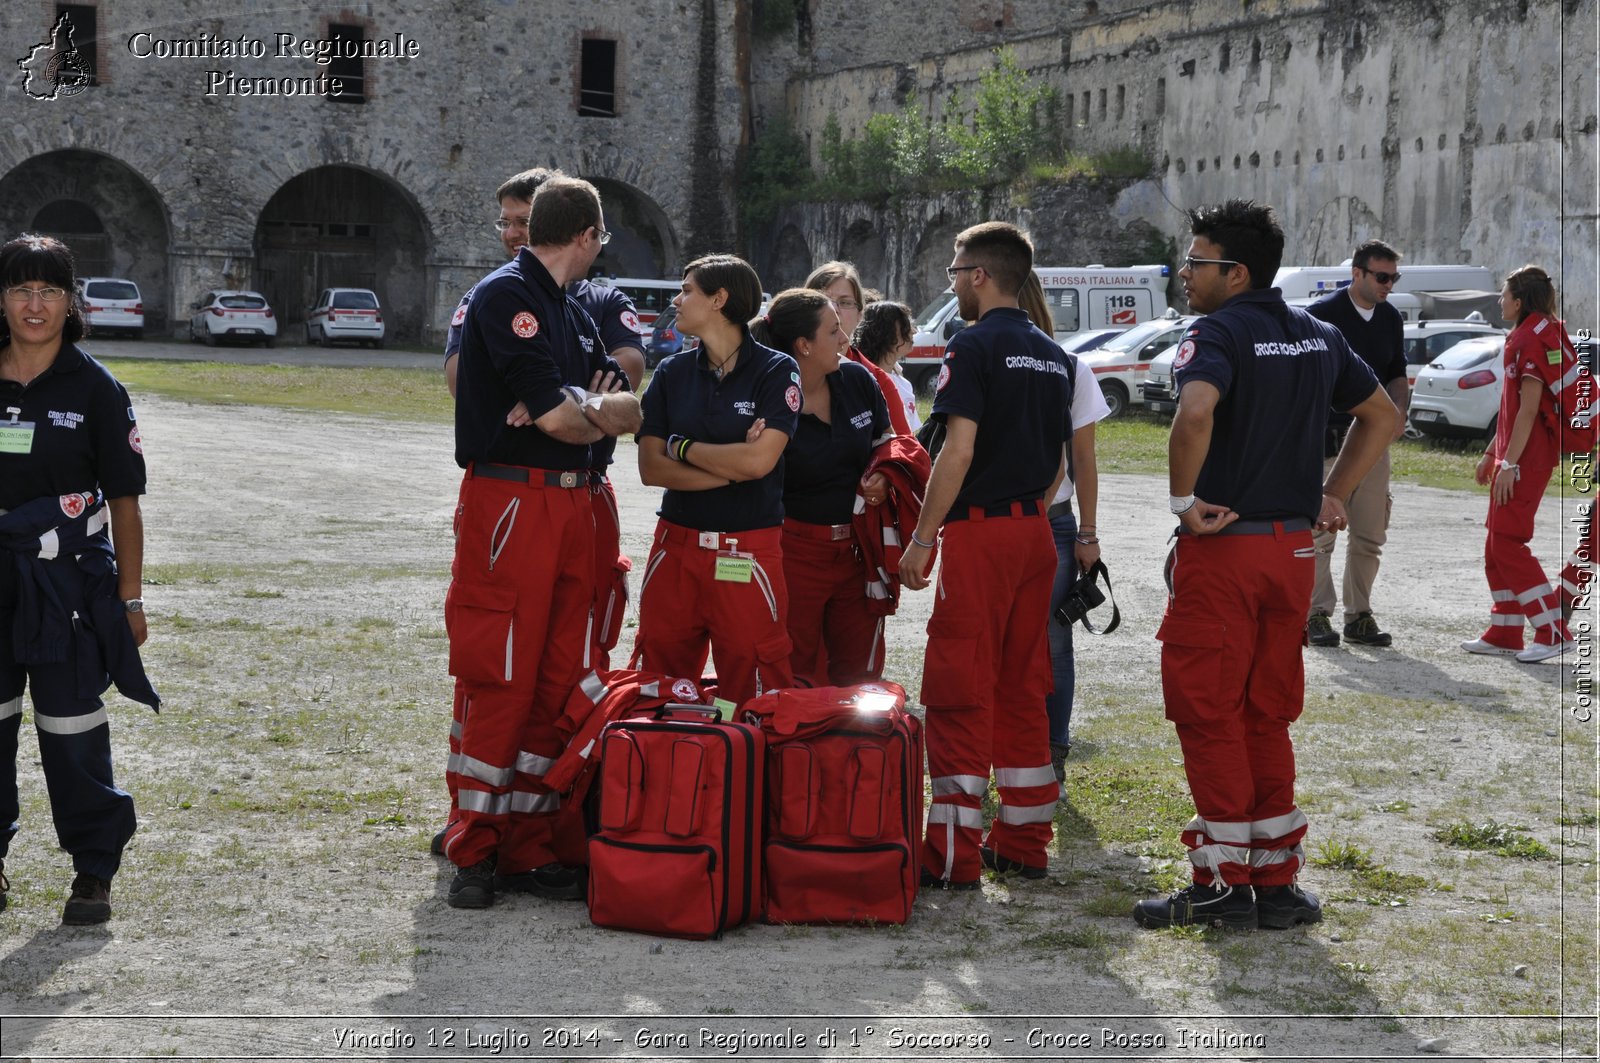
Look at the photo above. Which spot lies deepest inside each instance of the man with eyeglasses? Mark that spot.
(1255, 380)
(1361, 311)
(522, 582)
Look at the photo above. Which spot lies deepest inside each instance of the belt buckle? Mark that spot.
(840, 531)
(570, 479)
(710, 540)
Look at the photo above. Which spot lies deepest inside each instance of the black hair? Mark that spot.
(1003, 250)
(795, 313)
(42, 258)
(523, 185)
(1373, 249)
(730, 273)
(1245, 232)
(1534, 288)
(884, 326)
(563, 207)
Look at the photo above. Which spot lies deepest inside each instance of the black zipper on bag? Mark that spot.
(642, 847)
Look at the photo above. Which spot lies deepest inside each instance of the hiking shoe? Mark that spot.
(1489, 649)
(1363, 631)
(90, 902)
(932, 881)
(1058, 764)
(473, 887)
(1004, 865)
(558, 882)
(1224, 905)
(1542, 651)
(1280, 907)
(5, 885)
(1319, 631)
(436, 847)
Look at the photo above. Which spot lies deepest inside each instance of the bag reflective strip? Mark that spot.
(1015, 814)
(1237, 833)
(971, 785)
(484, 803)
(11, 708)
(70, 725)
(1020, 777)
(957, 815)
(473, 768)
(1533, 595)
(522, 801)
(1277, 826)
(533, 764)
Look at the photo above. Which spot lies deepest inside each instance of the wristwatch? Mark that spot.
(134, 605)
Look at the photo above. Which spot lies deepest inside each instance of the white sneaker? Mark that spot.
(1489, 649)
(1536, 653)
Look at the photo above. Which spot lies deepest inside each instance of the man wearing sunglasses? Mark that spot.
(1255, 381)
(1375, 330)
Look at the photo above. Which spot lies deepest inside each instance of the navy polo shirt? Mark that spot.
(522, 339)
(1013, 380)
(1380, 342)
(84, 433)
(824, 462)
(1279, 370)
(685, 398)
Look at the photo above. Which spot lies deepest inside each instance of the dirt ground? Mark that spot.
(280, 902)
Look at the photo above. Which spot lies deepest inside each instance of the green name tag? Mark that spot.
(16, 438)
(734, 569)
(1553, 356)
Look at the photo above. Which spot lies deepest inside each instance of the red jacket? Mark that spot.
(882, 530)
(891, 393)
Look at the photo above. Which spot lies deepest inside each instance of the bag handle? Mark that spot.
(1098, 569)
(674, 710)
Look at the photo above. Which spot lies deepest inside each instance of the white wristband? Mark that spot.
(1180, 504)
(585, 398)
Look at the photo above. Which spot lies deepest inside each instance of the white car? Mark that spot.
(233, 315)
(1457, 395)
(112, 304)
(345, 314)
(1157, 384)
(1119, 365)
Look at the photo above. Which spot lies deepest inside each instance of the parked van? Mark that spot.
(650, 297)
(1081, 299)
(112, 304)
(1302, 282)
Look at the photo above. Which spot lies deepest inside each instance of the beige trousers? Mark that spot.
(1368, 509)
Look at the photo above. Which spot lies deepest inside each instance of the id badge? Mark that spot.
(16, 437)
(735, 567)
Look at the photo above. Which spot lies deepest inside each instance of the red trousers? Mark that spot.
(837, 642)
(1233, 680)
(684, 610)
(517, 614)
(1519, 591)
(985, 673)
(610, 571)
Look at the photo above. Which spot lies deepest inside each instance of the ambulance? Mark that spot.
(1081, 298)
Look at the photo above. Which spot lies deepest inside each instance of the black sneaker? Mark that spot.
(1319, 631)
(436, 847)
(90, 903)
(932, 881)
(473, 887)
(1224, 905)
(558, 882)
(1004, 865)
(1363, 631)
(1280, 907)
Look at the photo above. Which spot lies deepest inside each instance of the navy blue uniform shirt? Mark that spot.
(1013, 380)
(1380, 342)
(523, 338)
(1279, 370)
(685, 398)
(824, 462)
(84, 434)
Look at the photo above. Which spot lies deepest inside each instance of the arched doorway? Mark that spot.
(115, 223)
(642, 241)
(344, 227)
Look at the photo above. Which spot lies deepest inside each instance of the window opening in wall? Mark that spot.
(1255, 57)
(1161, 97)
(1227, 58)
(1071, 101)
(349, 68)
(1187, 69)
(1102, 105)
(1122, 99)
(598, 79)
(1085, 108)
(85, 28)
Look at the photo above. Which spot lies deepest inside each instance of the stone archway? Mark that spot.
(863, 246)
(344, 227)
(114, 221)
(642, 241)
(791, 261)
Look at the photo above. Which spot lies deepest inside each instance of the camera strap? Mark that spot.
(1099, 570)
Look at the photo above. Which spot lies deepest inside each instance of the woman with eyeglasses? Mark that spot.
(71, 618)
(1541, 373)
(716, 420)
(840, 282)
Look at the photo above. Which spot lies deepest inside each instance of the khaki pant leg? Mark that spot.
(1322, 594)
(1368, 510)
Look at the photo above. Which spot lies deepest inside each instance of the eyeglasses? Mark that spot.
(951, 271)
(846, 304)
(511, 223)
(605, 236)
(1380, 276)
(21, 294)
(1191, 262)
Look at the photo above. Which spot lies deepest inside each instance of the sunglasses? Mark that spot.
(1380, 276)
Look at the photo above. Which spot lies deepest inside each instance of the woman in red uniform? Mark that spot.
(716, 420)
(840, 282)
(837, 640)
(1539, 369)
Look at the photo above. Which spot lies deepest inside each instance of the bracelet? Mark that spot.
(1180, 504)
(918, 542)
(677, 446)
(1516, 470)
(1087, 540)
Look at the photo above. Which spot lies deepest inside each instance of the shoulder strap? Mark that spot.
(1099, 571)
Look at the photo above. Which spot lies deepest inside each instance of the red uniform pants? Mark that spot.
(610, 571)
(1518, 588)
(837, 641)
(1233, 680)
(685, 610)
(517, 614)
(984, 677)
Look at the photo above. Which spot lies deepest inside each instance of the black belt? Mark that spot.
(521, 474)
(1260, 527)
(1060, 509)
(1026, 508)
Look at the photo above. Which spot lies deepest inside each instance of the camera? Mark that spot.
(1082, 598)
